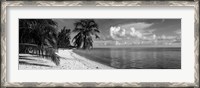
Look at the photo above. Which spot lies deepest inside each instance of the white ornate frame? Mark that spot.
(5, 4)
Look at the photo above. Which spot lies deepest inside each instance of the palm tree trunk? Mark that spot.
(39, 51)
(42, 51)
(85, 43)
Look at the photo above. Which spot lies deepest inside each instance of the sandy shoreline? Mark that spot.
(68, 60)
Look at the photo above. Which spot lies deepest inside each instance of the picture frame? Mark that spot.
(4, 45)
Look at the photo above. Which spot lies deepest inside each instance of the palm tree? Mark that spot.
(33, 30)
(41, 32)
(38, 31)
(64, 38)
(85, 29)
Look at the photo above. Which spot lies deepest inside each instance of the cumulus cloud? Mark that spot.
(141, 32)
(123, 32)
(118, 33)
(135, 33)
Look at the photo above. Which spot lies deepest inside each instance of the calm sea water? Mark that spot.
(131, 58)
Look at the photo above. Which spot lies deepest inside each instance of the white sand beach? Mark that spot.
(68, 60)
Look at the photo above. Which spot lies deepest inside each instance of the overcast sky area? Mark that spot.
(133, 30)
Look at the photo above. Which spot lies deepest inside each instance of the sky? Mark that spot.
(133, 31)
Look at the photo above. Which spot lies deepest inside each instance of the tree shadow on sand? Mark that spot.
(27, 63)
(24, 58)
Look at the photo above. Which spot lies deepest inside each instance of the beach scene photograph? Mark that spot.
(83, 44)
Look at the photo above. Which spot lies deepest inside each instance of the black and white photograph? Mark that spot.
(81, 44)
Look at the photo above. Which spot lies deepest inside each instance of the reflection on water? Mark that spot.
(129, 58)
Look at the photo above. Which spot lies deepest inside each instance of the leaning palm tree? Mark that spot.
(85, 29)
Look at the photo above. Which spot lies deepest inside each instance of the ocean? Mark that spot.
(135, 57)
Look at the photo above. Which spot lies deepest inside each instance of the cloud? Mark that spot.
(123, 32)
(145, 37)
(138, 25)
(118, 33)
(128, 31)
(148, 32)
(135, 33)
(154, 36)
(138, 31)
(150, 37)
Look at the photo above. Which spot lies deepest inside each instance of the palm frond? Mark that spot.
(97, 36)
(85, 28)
(77, 30)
